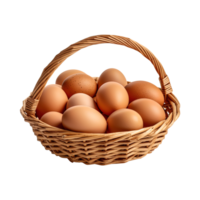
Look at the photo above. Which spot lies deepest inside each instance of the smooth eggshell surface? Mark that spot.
(142, 89)
(124, 120)
(84, 119)
(112, 75)
(81, 99)
(150, 111)
(66, 74)
(53, 98)
(57, 85)
(79, 83)
(111, 96)
(53, 119)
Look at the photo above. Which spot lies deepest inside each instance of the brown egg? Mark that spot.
(56, 85)
(53, 98)
(150, 111)
(111, 96)
(112, 75)
(84, 119)
(124, 120)
(143, 89)
(79, 83)
(66, 74)
(53, 119)
(81, 99)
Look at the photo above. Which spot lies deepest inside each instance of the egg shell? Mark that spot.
(79, 83)
(111, 96)
(81, 99)
(142, 89)
(124, 120)
(66, 74)
(112, 74)
(53, 98)
(150, 111)
(84, 119)
(53, 119)
(56, 85)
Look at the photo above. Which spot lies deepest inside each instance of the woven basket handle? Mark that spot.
(32, 101)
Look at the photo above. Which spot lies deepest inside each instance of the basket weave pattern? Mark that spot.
(94, 148)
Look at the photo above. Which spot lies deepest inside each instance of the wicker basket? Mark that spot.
(93, 148)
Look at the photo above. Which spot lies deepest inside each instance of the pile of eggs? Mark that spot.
(77, 103)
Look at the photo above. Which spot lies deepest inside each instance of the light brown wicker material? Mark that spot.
(93, 148)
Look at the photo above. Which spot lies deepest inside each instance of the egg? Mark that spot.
(79, 83)
(53, 98)
(84, 119)
(56, 85)
(81, 99)
(143, 89)
(112, 75)
(124, 120)
(53, 119)
(111, 96)
(66, 74)
(150, 111)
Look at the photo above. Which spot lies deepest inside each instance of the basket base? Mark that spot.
(105, 161)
